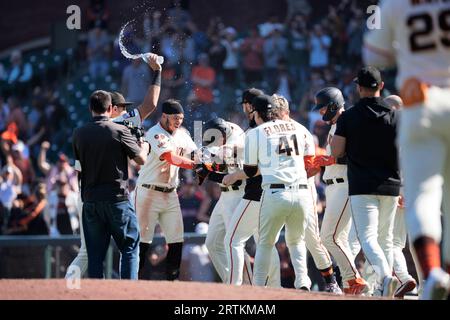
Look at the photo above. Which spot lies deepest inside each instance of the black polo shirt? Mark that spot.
(370, 130)
(103, 147)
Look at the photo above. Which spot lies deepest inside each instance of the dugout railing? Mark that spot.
(53, 244)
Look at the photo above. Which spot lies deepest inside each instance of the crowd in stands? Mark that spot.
(205, 69)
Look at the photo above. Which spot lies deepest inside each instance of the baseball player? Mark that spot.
(277, 149)
(156, 200)
(419, 30)
(312, 240)
(119, 114)
(336, 223)
(226, 141)
(244, 220)
(366, 134)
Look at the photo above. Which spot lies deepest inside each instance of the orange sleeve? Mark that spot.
(178, 161)
(309, 162)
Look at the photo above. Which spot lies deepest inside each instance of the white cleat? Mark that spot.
(390, 284)
(333, 288)
(437, 285)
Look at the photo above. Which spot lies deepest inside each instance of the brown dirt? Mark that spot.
(149, 290)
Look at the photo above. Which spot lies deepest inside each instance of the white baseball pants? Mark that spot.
(80, 263)
(153, 207)
(400, 266)
(373, 216)
(218, 225)
(314, 244)
(335, 230)
(244, 224)
(281, 207)
(424, 141)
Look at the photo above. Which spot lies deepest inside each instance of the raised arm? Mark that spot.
(152, 96)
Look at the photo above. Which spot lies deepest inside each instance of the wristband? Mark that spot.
(156, 80)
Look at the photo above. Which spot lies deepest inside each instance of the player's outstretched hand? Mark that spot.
(229, 179)
(152, 61)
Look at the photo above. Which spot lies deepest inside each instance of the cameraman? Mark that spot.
(102, 149)
(133, 120)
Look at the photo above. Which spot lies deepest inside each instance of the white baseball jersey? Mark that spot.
(416, 33)
(278, 148)
(336, 170)
(159, 172)
(132, 116)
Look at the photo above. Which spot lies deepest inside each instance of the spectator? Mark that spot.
(62, 209)
(213, 191)
(10, 187)
(196, 264)
(62, 171)
(193, 202)
(200, 38)
(98, 14)
(178, 16)
(98, 50)
(20, 72)
(40, 131)
(27, 216)
(135, 81)
(298, 54)
(230, 64)
(267, 28)
(4, 113)
(253, 59)
(285, 83)
(319, 46)
(203, 78)
(170, 45)
(58, 126)
(217, 54)
(20, 156)
(275, 49)
(17, 116)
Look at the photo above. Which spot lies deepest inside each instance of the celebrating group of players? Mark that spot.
(266, 175)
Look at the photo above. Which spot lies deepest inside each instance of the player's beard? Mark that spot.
(168, 126)
(252, 123)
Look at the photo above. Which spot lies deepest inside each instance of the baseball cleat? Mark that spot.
(404, 288)
(437, 285)
(357, 286)
(333, 288)
(390, 284)
(304, 288)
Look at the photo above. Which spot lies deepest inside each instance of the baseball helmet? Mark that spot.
(331, 98)
(210, 129)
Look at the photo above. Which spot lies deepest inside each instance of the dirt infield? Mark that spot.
(149, 290)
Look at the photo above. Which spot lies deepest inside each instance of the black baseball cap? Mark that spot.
(117, 99)
(249, 94)
(263, 103)
(368, 77)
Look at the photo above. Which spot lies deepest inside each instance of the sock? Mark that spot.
(428, 254)
(143, 248)
(328, 275)
(173, 260)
